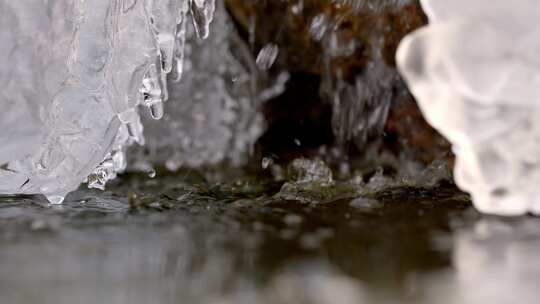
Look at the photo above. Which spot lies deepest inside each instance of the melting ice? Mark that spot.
(474, 71)
(74, 74)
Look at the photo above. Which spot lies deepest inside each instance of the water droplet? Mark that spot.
(267, 56)
(55, 199)
(298, 8)
(319, 27)
(156, 110)
(267, 162)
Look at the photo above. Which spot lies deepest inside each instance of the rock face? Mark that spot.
(344, 86)
(474, 71)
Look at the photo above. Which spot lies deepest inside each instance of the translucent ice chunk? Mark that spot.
(73, 74)
(475, 71)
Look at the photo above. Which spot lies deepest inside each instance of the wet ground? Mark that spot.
(174, 239)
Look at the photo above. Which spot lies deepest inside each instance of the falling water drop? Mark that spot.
(267, 162)
(267, 56)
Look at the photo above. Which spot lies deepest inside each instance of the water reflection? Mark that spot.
(495, 261)
(413, 247)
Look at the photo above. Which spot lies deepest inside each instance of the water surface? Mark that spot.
(175, 239)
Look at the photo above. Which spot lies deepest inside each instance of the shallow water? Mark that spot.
(174, 239)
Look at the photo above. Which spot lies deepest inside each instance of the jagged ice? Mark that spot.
(74, 75)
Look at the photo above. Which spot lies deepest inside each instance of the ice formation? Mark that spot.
(474, 71)
(73, 75)
(213, 116)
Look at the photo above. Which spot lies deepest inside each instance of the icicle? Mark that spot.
(152, 91)
(134, 128)
(181, 40)
(166, 46)
(202, 12)
(163, 19)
